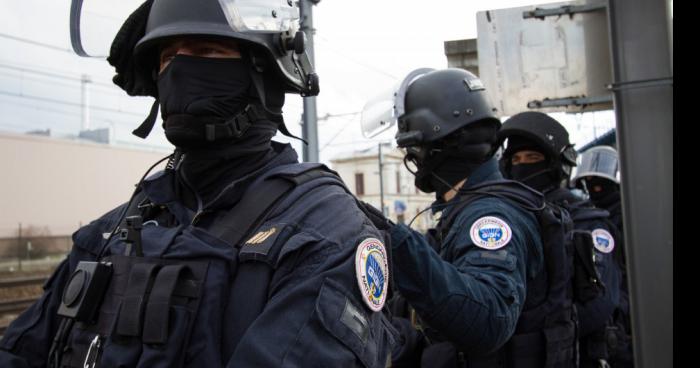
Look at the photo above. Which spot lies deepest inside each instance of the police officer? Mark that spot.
(539, 154)
(597, 175)
(477, 290)
(194, 270)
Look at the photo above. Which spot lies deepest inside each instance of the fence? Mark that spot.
(32, 249)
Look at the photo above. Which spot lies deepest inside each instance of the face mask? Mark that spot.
(196, 89)
(424, 173)
(441, 173)
(608, 193)
(535, 175)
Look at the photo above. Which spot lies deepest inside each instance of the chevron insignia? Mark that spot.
(261, 236)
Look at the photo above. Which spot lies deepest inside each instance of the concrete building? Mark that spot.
(462, 54)
(402, 200)
(52, 186)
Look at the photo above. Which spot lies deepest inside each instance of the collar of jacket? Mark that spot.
(160, 187)
(488, 171)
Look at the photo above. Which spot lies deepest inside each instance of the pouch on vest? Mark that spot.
(587, 282)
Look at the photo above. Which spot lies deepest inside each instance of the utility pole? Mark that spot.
(381, 179)
(643, 99)
(85, 102)
(310, 124)
(19, 247)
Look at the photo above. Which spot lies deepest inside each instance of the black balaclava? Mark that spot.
(455, 158)
(195, 91)
(538, 175)
(606, 197)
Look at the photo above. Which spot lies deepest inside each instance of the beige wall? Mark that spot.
(59, 184)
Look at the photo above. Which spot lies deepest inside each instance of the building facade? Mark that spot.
(402, 200)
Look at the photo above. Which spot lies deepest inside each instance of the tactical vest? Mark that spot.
(602, 344)
(162, 295)
(545, 335)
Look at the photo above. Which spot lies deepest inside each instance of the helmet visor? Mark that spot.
(600, 162)
(94, 23)
(382, 112)
(264, 16)
(379, 113)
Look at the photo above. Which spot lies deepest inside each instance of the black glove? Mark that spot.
(136, 81)
(376, 216)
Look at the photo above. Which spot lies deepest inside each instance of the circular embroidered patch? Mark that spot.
(372, 270)
(490, 233)
(603, 241)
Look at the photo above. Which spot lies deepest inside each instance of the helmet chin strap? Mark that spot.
(147, 125)
(405, 158)
(257, 78)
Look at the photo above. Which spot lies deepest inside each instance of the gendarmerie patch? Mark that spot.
(603, 240)
(490, 232)
(372, 271)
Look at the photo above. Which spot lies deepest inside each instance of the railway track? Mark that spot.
(22, 281)
(18, 305)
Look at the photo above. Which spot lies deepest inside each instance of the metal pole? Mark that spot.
(19, 247)
(310, 125)
(643, 100)
(85, 101)
(381, 180)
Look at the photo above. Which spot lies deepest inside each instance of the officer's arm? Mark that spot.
(316, 315)
(474, 301)
(408, 349)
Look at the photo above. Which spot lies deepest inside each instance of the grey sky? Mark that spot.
(362, 48)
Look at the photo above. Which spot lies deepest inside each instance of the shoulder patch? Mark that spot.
(372, 271)
(490, 232)
(260, 244)
(261, 236)
(603, 241)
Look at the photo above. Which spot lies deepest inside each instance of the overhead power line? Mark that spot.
(66, 76)
(35, 43)
(354, 60)
(68, 103)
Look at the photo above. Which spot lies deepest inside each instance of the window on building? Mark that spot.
(359, 184)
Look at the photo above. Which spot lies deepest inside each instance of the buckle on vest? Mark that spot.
(234, 127)
(93, 352)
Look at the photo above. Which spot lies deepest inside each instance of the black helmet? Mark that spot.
(442, 102)
(281, 51)
(272, 46)
(448, 128)
(545, 133)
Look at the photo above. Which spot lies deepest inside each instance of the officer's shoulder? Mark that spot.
(90, 237)
(323, 206)
(492, 206)
(493, 210)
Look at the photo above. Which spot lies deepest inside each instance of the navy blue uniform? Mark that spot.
(313, 312)
(597, 314)
(471, 296)
(623, 354)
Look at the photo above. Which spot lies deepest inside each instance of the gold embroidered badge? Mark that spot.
(261, 236)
